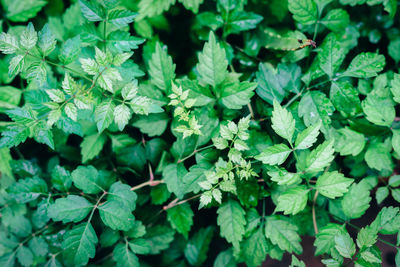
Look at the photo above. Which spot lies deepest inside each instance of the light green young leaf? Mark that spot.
(283, 233)
(308, 137)
(152, 8)
(231, 219)
(345, 245)
(274, 155)
(161, 69)
(47, 42)
(283, 177)
(71, 111)
(56, 95)
(104, 115)
(365, 65)
(293, 200)
(181, 218)
(79, 244)
(236, 95)
(378, 157)
(122, 114)
(367, 237)
(212, 63)
(333, 184)
(356, 201)
(325, 239)
(381, 194)
(8, 43)
(320, 157)
(282, 122)
(116, 216)
(16, 65)
(121, 17)
(29, 37)
(70, 209)
(304, 11)
(192, 5)
(70, 50)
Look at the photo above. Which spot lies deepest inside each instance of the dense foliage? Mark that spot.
(198, 132)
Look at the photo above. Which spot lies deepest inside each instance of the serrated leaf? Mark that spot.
(269, 85)
(345, 98)
(122, 114)
(161, 69)
(255, 248)
(173, 176)
(181, 218)
(336, 20)
(320, 157)
(379, 110)
(325, 238)
(26, 190)
(345, 245)
(70, 50)
(47, 42)
(308, 137)
(122, 193)
(16, 65)
(274, 155)
(212, 63)
(92, 146)
(79, 244)
(124, 256)
(365, 65)
(25, 256)
(8, 43)
(304, 11)
(333, 184)
(356, 201)
(293, 200)
(70, 209)
(283, 233)
(91, 10)
(231, 221)
(104, 114)
(236, 95)
(314, 106)
(61, 178)
(151, 8)
(378, 157)
(121, 17)
(86, 178)
(349, 142)
(29, 37)
(282, 122)
(116, 216)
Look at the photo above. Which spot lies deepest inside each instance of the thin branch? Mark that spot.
(194, 153)
(314, 218)
(176, 203)
(251, 110)
(148, 183)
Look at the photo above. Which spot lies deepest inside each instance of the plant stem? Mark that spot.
(176, 203)
(194, 152)
(150, 183)
(314, 218)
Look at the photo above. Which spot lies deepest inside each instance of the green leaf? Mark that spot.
(231, 221)
(356, 201)
(345, 98)
(8, 43)
(122, 41)
(92, 11)
(325, 238)
(87, 178)
(47, 42)
(104, 115)
(394, 181)
(161, 69)
(116, 216)
(236, 95)
(283, 177)
(181, 218)
(365, 65)
(124, 256)
(14, 135)
(314, 106)
(152, 124)
(333, 184)
(79, 244)
(349, 142)
(241, 21)
(139, 246)
(152, 8)
(269, 85)
(25, 256)
(92, 146)
(29, 37)
(122, 193)
(387, 220)
(212, 63)
(379, 110)
(378, 157)
(225, 259)
(16, 65)
(293, 200)
(304, 11)
(70, 50)
(192, 5)
(255, 248)
(336, 20)
(173, 177)
(19, 10)
(121, 17)
(307, 137)
(159, 237)
(122, 114)
(320, 157)
(26, 190)
(70, 209)
(381, 194)
(274, 155)
(345, 245)
(367, 237)
(197, 247)
(282, 122)
(38, 246)
(283, 233)
(332, 55)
